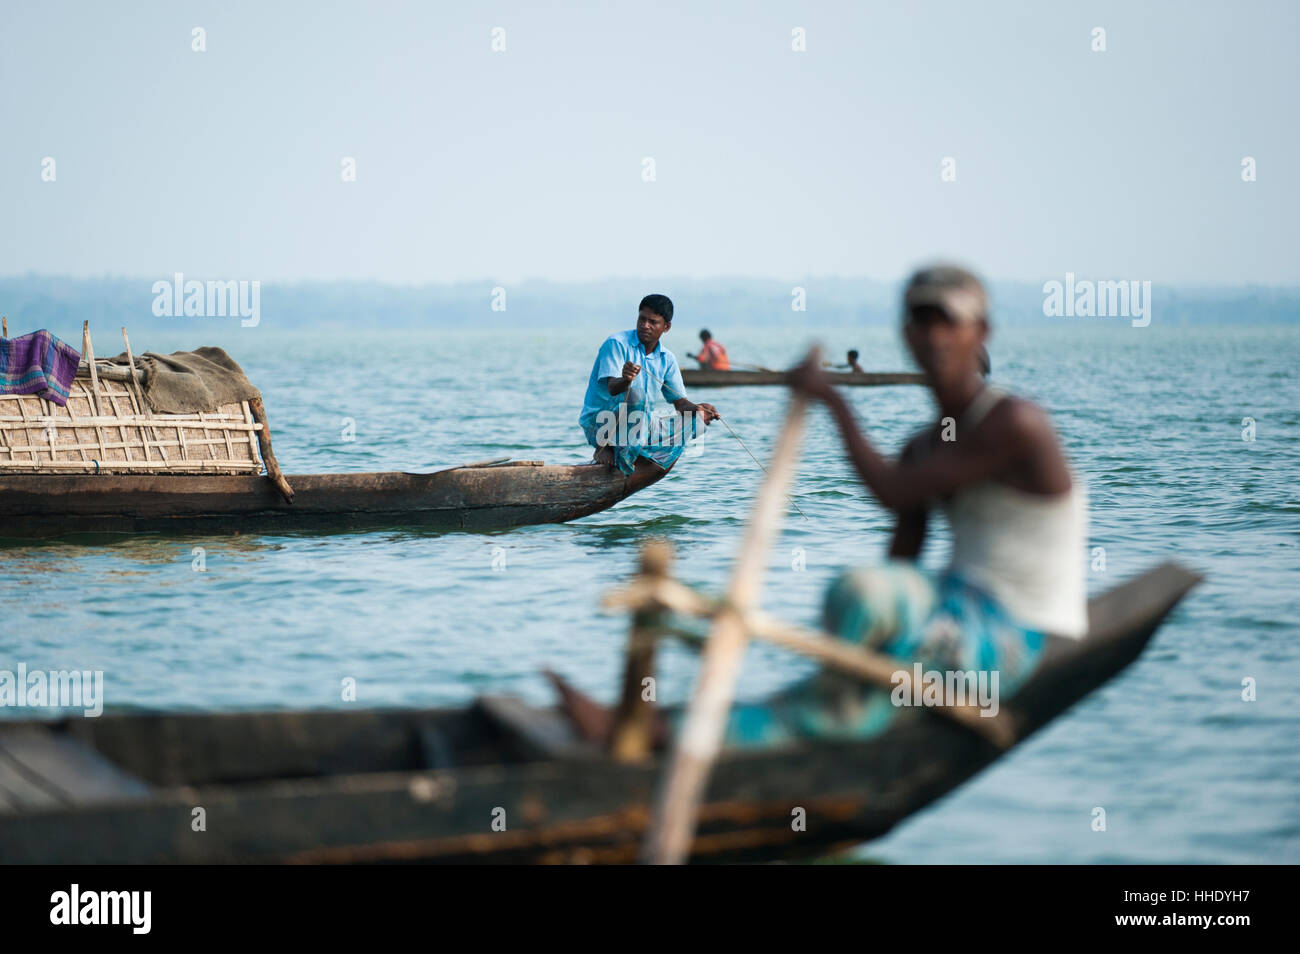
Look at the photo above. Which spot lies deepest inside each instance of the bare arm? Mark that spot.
(622, 383)
(686, 406)
(1010, 434)
(909, 534)
(910, 530)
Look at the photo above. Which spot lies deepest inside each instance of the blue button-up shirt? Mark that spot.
(656, 387)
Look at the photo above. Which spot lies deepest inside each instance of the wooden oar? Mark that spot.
(673, 826)
(491, 462)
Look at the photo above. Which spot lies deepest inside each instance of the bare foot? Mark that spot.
(604, 455)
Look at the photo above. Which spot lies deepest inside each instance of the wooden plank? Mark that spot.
(237, 747)
(23, 793)
(533, 733)
(74, 773)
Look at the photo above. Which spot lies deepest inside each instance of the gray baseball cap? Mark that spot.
(956, 291)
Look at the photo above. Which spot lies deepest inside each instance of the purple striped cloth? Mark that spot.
(39, 364)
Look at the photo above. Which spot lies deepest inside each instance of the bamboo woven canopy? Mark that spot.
(107, 427)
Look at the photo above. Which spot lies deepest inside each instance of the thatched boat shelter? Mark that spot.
(108, 426)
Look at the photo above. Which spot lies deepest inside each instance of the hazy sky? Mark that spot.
(529, 162)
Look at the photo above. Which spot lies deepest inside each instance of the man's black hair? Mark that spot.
(853, 356)
(661, 305)
(704, 335)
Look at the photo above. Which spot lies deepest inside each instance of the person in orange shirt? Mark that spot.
(713, 355)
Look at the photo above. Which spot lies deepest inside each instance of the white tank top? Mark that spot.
(1026, 550)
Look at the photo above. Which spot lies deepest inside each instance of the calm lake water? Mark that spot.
(1152, 418)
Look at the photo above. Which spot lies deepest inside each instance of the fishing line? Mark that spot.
(789, 497)
(665, 384)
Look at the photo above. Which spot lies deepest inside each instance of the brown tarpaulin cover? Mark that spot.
(188, 382)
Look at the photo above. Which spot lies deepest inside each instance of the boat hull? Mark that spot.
(468, 498)
(407, 785)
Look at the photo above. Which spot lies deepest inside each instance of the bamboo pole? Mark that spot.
(76, 438)
(88, 348)
(109, 372)
(214, 424)
(222, 467)
(4, 327)
(22, 409)
(144, 405)
(673, 826)
(51, 432)
(252, 437)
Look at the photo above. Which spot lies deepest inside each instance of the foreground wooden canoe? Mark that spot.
(487, 497)
(701, 378)
(397, 786)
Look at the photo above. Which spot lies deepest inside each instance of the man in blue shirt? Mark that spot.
(632, 385)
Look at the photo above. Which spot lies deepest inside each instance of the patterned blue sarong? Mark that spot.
(942, 622)
(659, 437)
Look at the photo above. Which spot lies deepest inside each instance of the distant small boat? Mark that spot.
(498, 781)
(487, 496)
(703, 378)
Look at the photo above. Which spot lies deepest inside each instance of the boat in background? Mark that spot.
(106, 460)
(493, 495)
(705, 378)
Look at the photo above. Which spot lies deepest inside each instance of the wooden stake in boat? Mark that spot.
(633, 737)
(273, 471)
(673, 826)
(88, 350)
(4, 327)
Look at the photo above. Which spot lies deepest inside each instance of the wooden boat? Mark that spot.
(400, 786)
(703, 378)
(495, 495)
(106, 461)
